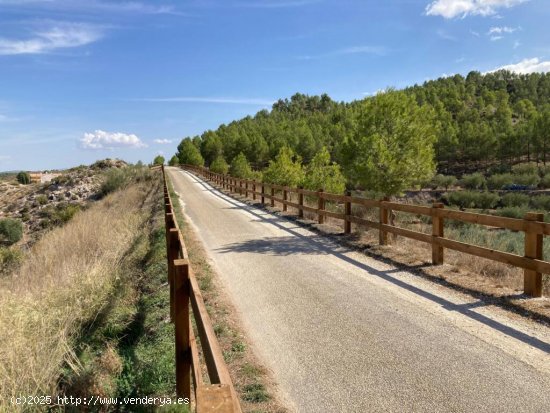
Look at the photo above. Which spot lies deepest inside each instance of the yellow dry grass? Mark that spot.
(64, 284)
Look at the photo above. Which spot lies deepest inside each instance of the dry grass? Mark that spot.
(64, 284)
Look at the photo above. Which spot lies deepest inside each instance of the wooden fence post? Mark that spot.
(246, 189)
(285, 198)
(254, 190)
(437, 232)
(181, 326)
(532, 280)
(347, 212)
(301, 203)
(172, 255)
(263, 192)
(320, 206)
(272, 196)
(383, 235)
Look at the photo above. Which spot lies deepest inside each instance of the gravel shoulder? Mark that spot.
(344, 332)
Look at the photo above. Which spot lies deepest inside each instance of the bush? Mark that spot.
(174, 161)
(443, 181)
(515, 200)
(470, 199)
(530, 168)
(487, 200)
(116, 178)
(541, 202)
(23, 178)
(11, 231)
(320, 173)
(219, 165)
(286, 169)
(499, 181)
(9, 257)
(545, 181)
(474, 181)
(159, 160)
(527, 180)
(513, 212)
(240, 168)
(42, 199)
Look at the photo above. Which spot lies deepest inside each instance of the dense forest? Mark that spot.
(453, 125)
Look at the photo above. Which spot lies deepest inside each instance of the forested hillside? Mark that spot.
(455, 124)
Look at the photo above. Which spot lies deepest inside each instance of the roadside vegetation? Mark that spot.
(86, 313)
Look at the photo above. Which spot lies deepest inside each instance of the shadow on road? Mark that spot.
(321, 245)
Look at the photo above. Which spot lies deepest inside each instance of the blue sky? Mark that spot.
(87, 79)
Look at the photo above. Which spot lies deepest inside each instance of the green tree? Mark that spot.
(11, 230)
(393, 148)
(24, 178)
(286, 169)
(219, 165)
(320, 173)
(240, 168)
(189, 154)
(159, 160)
(173, 161)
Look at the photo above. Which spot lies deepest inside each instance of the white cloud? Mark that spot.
(222, 100)
(163, 141)
(450, 9)
(376, 50)
(110, 140)
(526, 66)
(92, 6)
(495, 38)
(503, 29)
(57, 36)
(276, 4)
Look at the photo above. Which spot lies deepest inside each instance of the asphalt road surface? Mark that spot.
(343, 332)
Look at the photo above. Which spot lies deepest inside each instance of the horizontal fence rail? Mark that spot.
(532, 225)
(185, 300)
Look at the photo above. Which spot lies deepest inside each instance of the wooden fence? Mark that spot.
(532, 225)
(185, 299)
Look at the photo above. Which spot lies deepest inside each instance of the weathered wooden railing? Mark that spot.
(532, 225)
(219, 395)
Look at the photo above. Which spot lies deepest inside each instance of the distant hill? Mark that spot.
(485, 120)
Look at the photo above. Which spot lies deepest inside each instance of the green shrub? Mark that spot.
(115, 178)
(515, 200)
(545, 181)
(23, 178)
(219, 166)
(527, 180)
(42, 199)
(285, 169)
(530, 168)
(541, 202)
(321, 173)
(9, 257)
(174, 161)
(470, 199)
(240, 168)
(513, 212)
(544, 170)
(462, 199)
(11, 230)
(474, 181)
(487, 200)
(443, 181)
(499, 181)
(159, 160)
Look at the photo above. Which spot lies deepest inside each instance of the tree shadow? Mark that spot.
(326, 246)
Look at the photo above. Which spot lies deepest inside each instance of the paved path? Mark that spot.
(343, 332)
